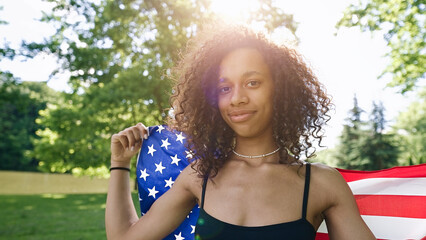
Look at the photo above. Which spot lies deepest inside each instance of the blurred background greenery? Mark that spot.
(119, 55)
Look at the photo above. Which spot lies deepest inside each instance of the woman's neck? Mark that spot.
(256, 146)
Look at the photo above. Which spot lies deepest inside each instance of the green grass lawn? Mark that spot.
(54, 216)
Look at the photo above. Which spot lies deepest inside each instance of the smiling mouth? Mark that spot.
(241, 116)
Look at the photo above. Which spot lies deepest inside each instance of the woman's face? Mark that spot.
(245, 92)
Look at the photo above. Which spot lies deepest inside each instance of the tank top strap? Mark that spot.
(203, 192)
(306, 190)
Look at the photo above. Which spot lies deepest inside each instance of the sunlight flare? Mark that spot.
(238, 11)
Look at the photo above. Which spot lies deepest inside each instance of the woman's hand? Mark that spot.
(125, 144)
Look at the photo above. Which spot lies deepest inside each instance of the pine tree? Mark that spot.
(348, 153)
(379, 147)
(365, 145)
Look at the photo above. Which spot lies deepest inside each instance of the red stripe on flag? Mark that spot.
(321, 236)
(392, 205)
(403, 206)
(395, 172)
(324, 236)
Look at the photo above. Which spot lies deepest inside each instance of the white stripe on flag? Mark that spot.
(323, 227)
(392, 227)
(389, 186)
(396, 227)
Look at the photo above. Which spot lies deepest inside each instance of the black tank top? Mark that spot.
(210, 228)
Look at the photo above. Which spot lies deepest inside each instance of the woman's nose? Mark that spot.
(239, 96)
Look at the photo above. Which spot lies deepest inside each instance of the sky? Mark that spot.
(347, 63)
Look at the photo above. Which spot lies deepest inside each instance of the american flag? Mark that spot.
(162, 157)
(392, 201)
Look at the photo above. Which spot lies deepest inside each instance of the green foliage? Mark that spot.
(364, 145)
(20, 104)
(380, 148)
(327, 157)
(54, 216)
(354, 119)
(348, 151)
(404, 25)
(410, 129)
(119, 55)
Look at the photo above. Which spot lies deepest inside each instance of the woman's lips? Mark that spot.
(240, 115)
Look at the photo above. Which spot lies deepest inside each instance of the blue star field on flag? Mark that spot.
(161, 159)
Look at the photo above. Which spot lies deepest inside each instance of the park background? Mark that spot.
(73, 72)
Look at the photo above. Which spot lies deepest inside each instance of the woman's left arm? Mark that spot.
(342, 216)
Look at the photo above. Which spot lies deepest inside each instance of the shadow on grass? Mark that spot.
(54, 216)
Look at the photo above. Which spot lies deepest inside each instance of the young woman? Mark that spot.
(251, 109)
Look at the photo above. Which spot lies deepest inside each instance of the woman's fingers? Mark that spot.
(128, 142)
(143, 131)
(132, 137)
(136, 134)
(124, 140)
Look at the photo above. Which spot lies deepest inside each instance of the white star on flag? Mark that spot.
(188, 154)
(175, 160)
(169, 183)
(180, 137)
(144, 174)
(188, 214)
(158, 170)
(193, 229)
(152, 192)
(151, 150)
(179, 237)
(159, 167)
(160, 128)
(165, 143)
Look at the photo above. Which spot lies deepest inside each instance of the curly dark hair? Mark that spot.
(300, 101)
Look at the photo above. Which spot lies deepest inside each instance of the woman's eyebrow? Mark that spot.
(244, 76)
(222, 79)
(250, 73)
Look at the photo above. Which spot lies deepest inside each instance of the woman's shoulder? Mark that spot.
(329, 182)
(322, 176)
(336, 203)
(189, 173)
(325, 173)
(190, 179)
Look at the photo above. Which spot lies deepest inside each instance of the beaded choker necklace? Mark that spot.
(256, 156)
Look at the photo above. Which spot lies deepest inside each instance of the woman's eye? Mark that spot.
(253, 83)
(223, 90)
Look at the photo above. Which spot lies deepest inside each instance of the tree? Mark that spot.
(119, 54)
(410, 130)
(20, 104)
(327, 156)
(348, 152)
(405, 33)
(363, 144)
(379, 147)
